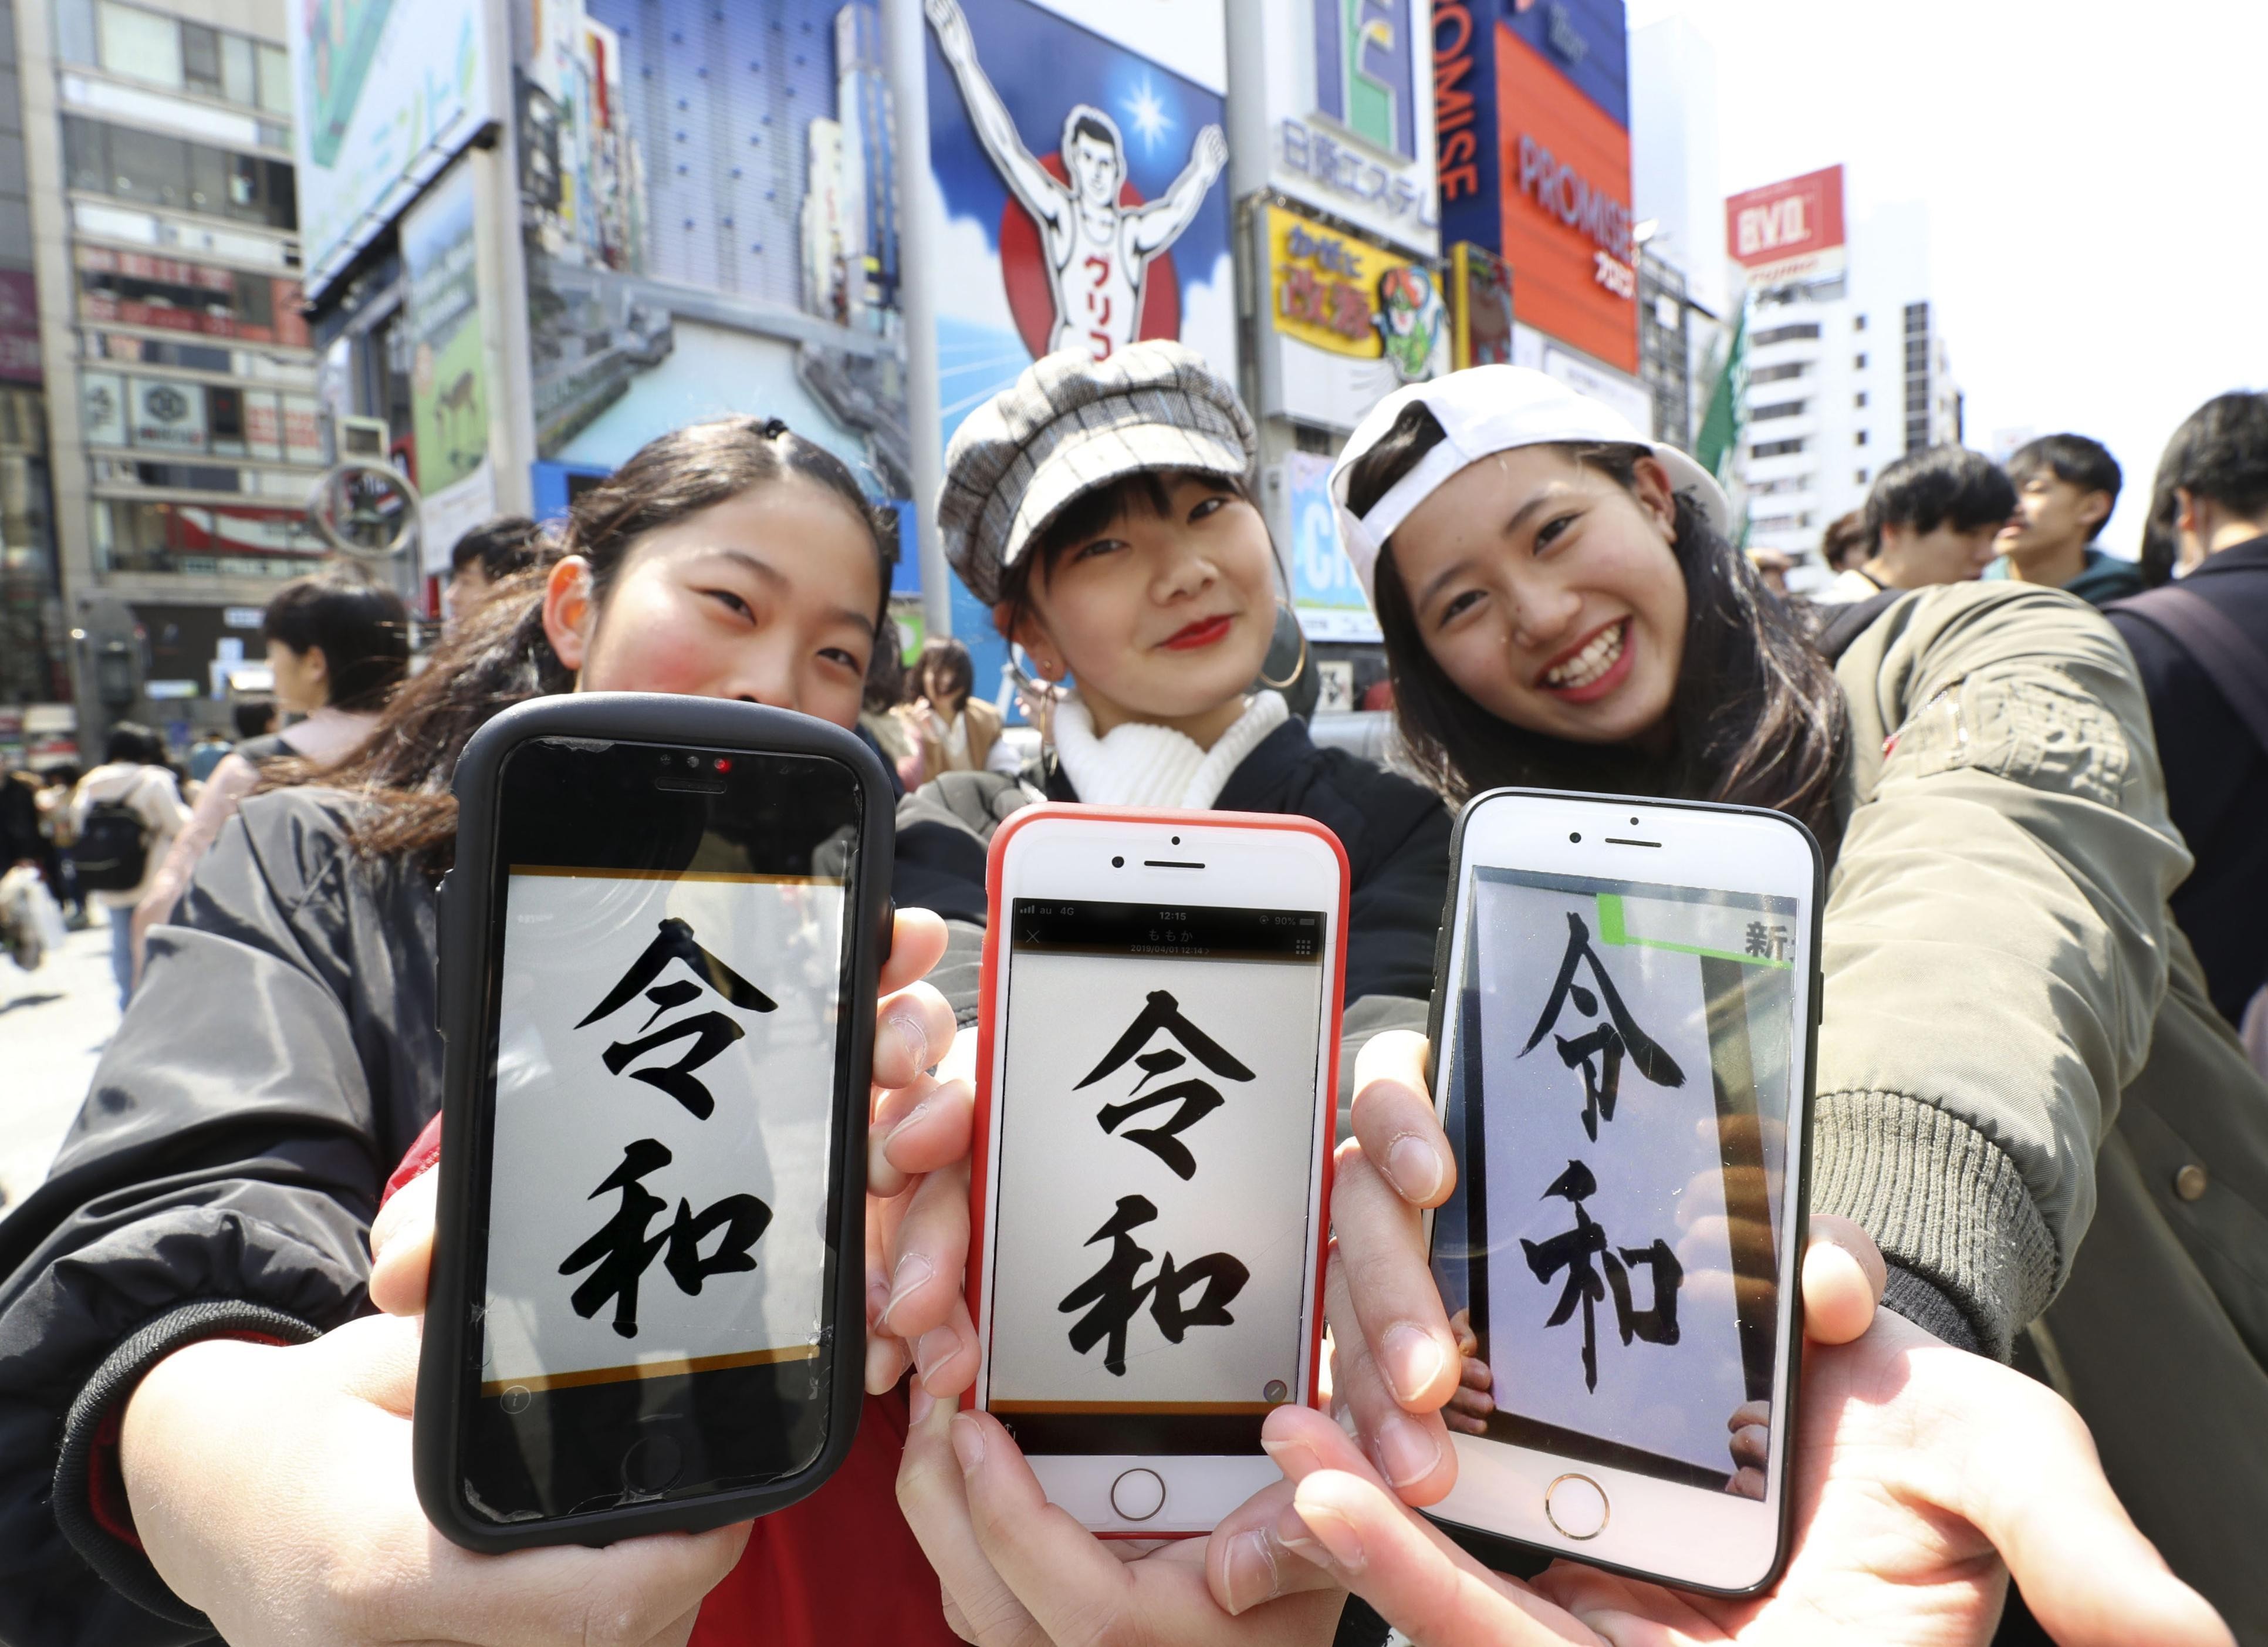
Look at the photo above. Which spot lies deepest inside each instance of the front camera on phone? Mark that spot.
(1118, 863)
(1575, 835)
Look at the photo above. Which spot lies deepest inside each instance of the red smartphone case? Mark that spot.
(980, 1142)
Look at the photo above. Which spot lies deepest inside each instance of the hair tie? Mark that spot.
(775, 427)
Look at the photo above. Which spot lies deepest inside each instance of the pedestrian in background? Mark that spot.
(484, 557)
(124, 816)
(957, 731)
(1931, 518)
(2202, 648)
(254, 717)
(2067, 486)
(338, 646)
(210, 749)
(1844, 546)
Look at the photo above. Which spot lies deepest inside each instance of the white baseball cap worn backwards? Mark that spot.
(1483, 411)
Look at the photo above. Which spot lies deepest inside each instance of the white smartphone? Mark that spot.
(1623, 1021)
(1158, 1062)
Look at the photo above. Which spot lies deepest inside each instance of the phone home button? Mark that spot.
(1138, 1495)
(1577, 1505)
(652, 1465)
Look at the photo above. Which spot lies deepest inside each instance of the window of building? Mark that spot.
(154, 170)
(1859, 439)
(140, 44)
(1859, 399)
(1777, 449)
(1787, 334)
(1781, 373)
(201, 60)
(1862, 477)
(1858, 363)
(1785, 409)
(1858, 322)
(239, 70)
(275, 80)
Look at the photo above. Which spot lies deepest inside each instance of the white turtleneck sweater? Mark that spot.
(1141, 765)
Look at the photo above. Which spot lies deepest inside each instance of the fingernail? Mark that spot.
(1337, 1534)
(1407, 1452)
(912, 1271)
(910, 1027)
(878, 1295)
(1291, 1532)
(1413, 1360)
(933, 1348)
(919, 1403)
(1416, 1170)
(911, 1116)
(1287, 1454)
(967, 1442)
(1250, 1570)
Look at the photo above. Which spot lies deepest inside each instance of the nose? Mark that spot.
(1543, 611)
(1182, 571)
(764, 674)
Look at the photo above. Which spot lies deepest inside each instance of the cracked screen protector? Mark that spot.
(1152, 1175)
(1619, 1097)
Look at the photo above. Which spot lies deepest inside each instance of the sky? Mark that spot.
(2095, 175)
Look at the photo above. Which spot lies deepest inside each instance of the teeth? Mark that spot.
(1592, 662)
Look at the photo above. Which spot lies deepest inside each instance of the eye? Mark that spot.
(845, 658)
(1099, 547)
(1552, 530)
(731, 603)
(1208, 507)
(1458, 606)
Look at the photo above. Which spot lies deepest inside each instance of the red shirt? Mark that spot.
(841, 1567)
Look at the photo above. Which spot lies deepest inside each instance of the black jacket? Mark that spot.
(2216, 776)
(279, 1057)
(1395, 832)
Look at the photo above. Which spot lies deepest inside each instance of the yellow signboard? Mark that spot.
(1348, 296)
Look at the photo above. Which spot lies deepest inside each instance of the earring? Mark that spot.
(1298, 669)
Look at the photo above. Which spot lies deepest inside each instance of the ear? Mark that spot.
(1657, 494)
(317, 665)
(1025, 628)
(2094, 509)
(569, 614)
(2185, 513)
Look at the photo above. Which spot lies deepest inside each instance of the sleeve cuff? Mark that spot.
(89, 1494)
(1926, 1306)
(1946, 1205)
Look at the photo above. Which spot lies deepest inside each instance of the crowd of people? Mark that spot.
(2037, 1136)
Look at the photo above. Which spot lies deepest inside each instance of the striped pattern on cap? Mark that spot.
(1071, 424)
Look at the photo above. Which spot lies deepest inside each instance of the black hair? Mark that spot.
(2220, 453)
(1088, 516)
(886, 670)
(946, 673)
(2073, 459)
(1757, 716)
(1846, 537)
(1927, 489)
(251, 717)
(509, 543)
(499, 654)
(1088, 126)
(362, 628)
(132, 743)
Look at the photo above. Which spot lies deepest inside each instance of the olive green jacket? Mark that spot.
(2022, 1082)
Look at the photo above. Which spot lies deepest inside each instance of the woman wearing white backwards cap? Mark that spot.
(1561, 608)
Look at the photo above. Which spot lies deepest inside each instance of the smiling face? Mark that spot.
(1163, 618)
(1548, 593)
(768, 597)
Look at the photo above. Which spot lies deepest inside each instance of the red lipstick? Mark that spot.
(1204, 632)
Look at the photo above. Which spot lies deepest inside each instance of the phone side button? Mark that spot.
(1577, 1505)
(1138, 1495)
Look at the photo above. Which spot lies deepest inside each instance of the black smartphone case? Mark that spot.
(1512, 1555)
(465, 990)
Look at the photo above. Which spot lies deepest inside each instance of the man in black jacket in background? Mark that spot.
(2202, 648)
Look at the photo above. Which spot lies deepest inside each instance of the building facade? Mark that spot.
(182, 425)
(1848, 371)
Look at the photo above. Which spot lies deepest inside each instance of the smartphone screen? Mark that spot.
(668, 1009)
(1153, 1173)
(1623, 1064)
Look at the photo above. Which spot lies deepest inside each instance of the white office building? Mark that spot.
(1846, 376)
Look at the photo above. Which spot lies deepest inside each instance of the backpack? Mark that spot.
(113, 850)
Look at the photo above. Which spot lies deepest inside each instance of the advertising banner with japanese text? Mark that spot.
(1350, 320)
(1788, 231)
(1326, 594)
(448, 375)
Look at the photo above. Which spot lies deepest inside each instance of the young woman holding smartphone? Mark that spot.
(280, 1058)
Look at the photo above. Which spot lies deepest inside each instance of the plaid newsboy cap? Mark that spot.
(1069, 423)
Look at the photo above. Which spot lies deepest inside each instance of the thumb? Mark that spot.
(2087, 1572)
(373, 1358)
(401, 1246)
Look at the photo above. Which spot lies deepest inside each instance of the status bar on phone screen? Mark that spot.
(1198, 932)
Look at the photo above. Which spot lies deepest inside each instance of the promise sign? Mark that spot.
(1790, 230)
